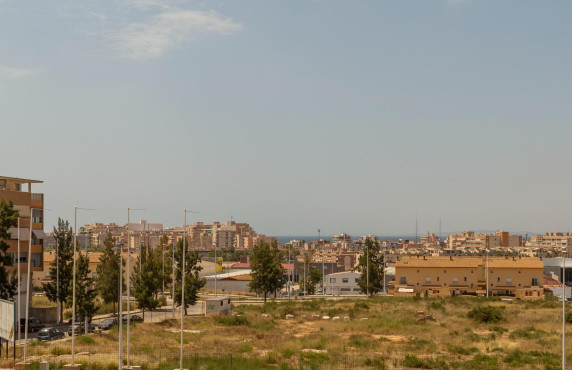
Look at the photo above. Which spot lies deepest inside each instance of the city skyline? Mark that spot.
(340, 116)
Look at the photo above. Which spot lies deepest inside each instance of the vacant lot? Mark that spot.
(382, 332)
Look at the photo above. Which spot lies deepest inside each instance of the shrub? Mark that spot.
(482, 362)
(359, 341)
(287, 353)
(529, 332)
(362, 305)
(517, 358)
(428, 363)
(244, 347)
(486, 314)
(498, 329)
(460, 350)
(85, 339)
(376, 362)
(232, 320)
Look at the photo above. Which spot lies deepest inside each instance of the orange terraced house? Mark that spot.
(521, 278)
(30, 207)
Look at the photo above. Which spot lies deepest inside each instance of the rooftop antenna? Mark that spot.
(416, 228)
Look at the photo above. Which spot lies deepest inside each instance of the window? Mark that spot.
(37, 216)
(427, 280)
(498, 280)
(534, 281)
(402, 280)
(444, 271)
(2, 184)
(18, 187)
(357, 279)
(332, 280)
(455, 280)
(465, 278)
(437, 278)
(345, 280)
(508, 281)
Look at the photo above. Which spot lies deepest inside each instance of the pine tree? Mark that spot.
(193, 283)
(63, 238)
(84, 289)
(8, 219)
(107, 281)
(375, 268)
(267, 273)
(164, 253)
(147, 281)
(313, 276)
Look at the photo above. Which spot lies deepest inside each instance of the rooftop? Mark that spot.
(20, 180)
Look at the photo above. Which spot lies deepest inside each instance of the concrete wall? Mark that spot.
(45, 315)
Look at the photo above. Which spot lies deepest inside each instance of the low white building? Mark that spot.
(340, 283)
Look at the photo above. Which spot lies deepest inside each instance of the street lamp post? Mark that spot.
(564, 310)
(289, 274)
(74, 278)
(120, 308)
(183, 304)
(173, 280)
(367, 270)
(19, 287)
(129, 209)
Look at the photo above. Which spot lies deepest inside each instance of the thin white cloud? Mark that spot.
(11, 72)
(148, 4)
(169, 30)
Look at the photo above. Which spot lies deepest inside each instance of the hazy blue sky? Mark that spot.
(294, 115)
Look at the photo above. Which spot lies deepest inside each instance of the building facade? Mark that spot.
(29, 233)
(448, 276)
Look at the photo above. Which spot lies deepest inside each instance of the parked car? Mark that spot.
(80, 329)
(108, 323)
(33, 324)
(134, 318)
(51, 334)
(79, 320)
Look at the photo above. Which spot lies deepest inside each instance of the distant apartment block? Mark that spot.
(551, 240)
(450, 276)
(470, 239)
(30, 207)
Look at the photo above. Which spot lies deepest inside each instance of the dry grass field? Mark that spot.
(381, 333)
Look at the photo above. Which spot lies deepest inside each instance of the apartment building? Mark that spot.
(29, 232)
(551, 240)
(446, 276)
(470, 239)
(343, 241)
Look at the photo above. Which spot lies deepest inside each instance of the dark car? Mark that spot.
(79, 320)
(108, 323)
(33, 324)
(134, 318)
(51, 334)
(80, 329)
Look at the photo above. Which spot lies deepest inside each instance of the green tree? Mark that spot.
(85, 292)
(313, 275)
(267, 273)
(193, 283)
(8, 219)
(63, 238)
(371, 252)
(147, 281)
(107, 280)
(163, 254)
